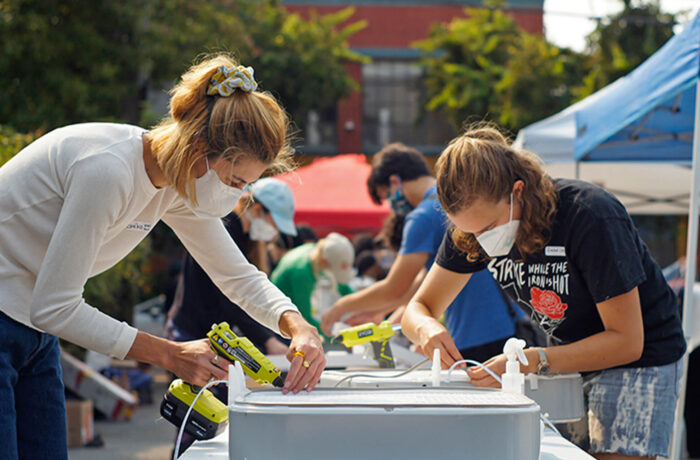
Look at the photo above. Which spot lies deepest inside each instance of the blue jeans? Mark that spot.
(32, 401)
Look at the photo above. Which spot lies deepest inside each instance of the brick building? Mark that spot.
(388, 106)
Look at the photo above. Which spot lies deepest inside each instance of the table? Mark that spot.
(554, 447)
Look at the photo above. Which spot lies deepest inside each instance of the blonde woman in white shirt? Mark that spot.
(76, 201)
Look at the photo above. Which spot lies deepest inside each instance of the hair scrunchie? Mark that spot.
(226, 79)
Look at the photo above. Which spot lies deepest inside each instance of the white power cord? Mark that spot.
(187, 414)
(374, 376)
(476, 363)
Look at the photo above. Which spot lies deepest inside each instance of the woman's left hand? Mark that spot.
(481, 378)
(305, 355)
(329, 317)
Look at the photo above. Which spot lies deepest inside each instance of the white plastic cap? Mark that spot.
(436, 368)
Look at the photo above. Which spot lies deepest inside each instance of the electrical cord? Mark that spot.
(475, 363)
(187, 414)
(410, 369)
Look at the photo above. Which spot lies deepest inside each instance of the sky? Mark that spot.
(566, 22)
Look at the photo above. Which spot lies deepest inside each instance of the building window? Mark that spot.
(319, 132)
(393, 96)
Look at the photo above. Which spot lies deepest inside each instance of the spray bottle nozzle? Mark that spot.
(513, 349)
(513, 380)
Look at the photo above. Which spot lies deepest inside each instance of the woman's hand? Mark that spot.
(431, 336)
(497, 364)
(305, 353)
(196, 363)
(364, 317)
(330, 316)
(481, 378)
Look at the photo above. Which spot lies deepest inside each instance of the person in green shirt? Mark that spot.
(316, 275)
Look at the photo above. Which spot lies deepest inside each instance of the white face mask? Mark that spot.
(499, 240)
(260, 229)
(214, 198)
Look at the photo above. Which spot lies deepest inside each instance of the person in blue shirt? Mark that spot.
(478, 320)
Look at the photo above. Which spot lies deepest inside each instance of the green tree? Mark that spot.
(484, 66)
(12, 142)
(66, 61)
(623, 41)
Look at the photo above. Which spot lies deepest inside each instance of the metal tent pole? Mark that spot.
(677, 448)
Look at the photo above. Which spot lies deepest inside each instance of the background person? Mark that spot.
(314, 275)
(478, 319)
(568, 251)
(283, 243)
(77, 200)
(199, 303)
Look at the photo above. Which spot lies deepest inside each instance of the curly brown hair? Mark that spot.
(481, 164)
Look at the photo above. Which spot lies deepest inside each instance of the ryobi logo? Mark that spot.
(365, 333)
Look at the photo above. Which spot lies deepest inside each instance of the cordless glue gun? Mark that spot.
(377, 335)
(255, 364)
(209, 415)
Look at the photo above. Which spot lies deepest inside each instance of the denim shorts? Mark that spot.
(630, 411)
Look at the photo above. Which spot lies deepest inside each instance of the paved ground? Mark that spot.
(147, 436)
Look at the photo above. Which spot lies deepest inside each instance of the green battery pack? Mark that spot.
(208, 417)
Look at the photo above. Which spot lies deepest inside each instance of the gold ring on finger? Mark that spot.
(215, 360)
(306, 364)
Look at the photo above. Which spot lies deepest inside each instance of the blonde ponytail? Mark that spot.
(251, 124)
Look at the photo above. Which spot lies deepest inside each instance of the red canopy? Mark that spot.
(330, 194)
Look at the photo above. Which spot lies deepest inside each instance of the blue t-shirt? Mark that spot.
(478, 315)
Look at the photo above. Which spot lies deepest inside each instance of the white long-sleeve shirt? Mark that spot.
(74, 203)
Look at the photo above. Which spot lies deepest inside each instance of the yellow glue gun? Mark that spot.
(376, 334)
(254, 363)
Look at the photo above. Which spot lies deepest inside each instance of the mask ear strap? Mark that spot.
(511, 207)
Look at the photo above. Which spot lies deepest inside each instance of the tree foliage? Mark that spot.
(66, 61)
(12, 142)
(485, 66)
(623, 41)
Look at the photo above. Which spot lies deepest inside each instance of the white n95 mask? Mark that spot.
(261, 230)
(500, 240)
(214, 198)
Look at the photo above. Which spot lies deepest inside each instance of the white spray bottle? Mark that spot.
(513, 381)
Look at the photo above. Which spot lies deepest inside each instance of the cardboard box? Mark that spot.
(109, 398)
(80, 422)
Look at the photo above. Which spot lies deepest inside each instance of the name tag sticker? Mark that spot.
(140, 226)
(555, 251)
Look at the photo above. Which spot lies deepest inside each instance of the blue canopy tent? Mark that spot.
(649, 115)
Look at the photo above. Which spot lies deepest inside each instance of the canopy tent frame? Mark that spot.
(677, 451)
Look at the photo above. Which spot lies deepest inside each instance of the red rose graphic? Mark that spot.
(547, 303)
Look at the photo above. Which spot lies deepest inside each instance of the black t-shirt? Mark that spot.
(203, 304)
(594, 254)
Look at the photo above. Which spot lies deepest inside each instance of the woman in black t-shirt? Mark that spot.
(568, 253)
